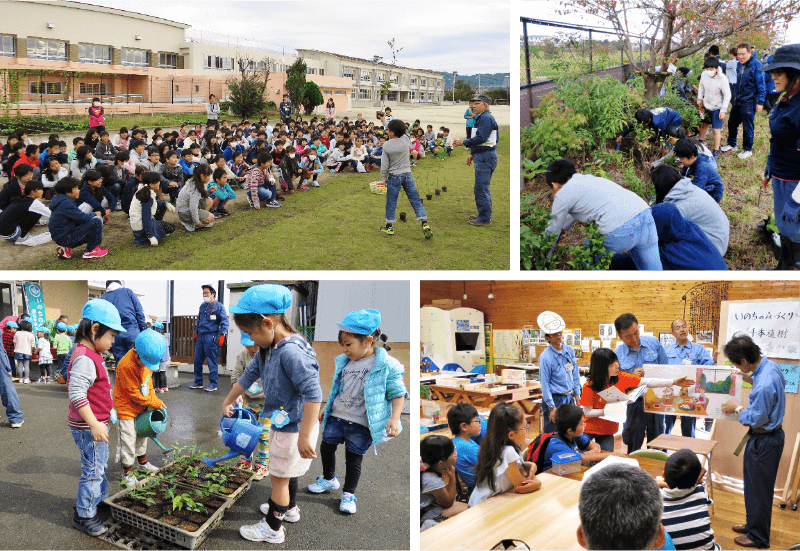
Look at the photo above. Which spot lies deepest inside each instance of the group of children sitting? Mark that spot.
(145, 180)
(473, 466)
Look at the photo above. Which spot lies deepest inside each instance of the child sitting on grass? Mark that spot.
(312, 164)
(260, 184)
(222, 194)
(437, 500)
(70, 227)
(468, 430)
(20, 217)
(144, 212)
(570, 438)
(337, 157)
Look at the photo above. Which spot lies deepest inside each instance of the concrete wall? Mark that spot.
(65, 297)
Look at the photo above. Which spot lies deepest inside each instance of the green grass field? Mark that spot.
(333, 227)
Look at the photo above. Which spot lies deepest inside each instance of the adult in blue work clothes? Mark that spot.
(684, 352)
(483, 154)
(633, 353)
(658, 119)
(212, 325)
(558, 370)
(8, 394)
(746, 101)
(783, 162)
(764, 441)
(286, 109)
(130, 312)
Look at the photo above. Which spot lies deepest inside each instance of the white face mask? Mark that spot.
(219, 136)
(291, 155)
(312, 157)
(207, 299)
(96, 104)
(158, 142)
(207, 156)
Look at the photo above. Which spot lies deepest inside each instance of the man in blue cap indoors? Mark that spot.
(130, 312)
(209, 333)
(483, 154)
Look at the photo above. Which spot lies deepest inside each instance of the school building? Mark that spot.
(55, 54)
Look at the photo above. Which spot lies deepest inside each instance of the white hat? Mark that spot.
(550, 322)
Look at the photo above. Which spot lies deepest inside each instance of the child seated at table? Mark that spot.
(468, 430)
(505, 437)
(437, 500)
(686, 503)
(570, 437)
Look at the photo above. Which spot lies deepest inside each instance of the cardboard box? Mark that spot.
(513, 376)
(446, 304)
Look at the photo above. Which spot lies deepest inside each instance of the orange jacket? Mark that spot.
(128, 398)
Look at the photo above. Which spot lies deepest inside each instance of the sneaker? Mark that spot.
(262, 532)
(414, 164)
(292, 515)
(217, 214)
(302, 188)
(260, 472)
(130, 479)
(348, 503)
(745, 154)
(225, 212)
(96, 253)
(727, 148)
(315, 183)
(149, 467)
(211, 388)
(323, 485)
(388, 230)
(473, 216)
(92, 526)
(158, 390)
(64, 252)
(165, 389)
(188, 227)
(279, 196)
(40, 380)
(27, 381)
(245, 463)
(17, 425)
(715, 154)
(477, 222)
(273, 204)
(47, 380)
(197, 385)
(426, 230)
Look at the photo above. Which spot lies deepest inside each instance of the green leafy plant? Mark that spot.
(592, 255)
(186, 500)
(556, 131)
(534, 242)
(425, 392)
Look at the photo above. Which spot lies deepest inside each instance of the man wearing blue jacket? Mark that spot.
(212, 325)
(658, 119)
(699, 169)
(285, 108)
(130, 312)
(748, 99)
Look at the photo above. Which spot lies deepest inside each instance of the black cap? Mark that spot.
(785, 57)
(210, 288)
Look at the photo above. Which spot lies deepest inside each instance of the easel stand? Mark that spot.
(792, 488)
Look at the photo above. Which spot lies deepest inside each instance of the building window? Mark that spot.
(311, 70)
(51, 50)
(393, 79)
(412, 94)
(353, 94)
(348, 72)
(392, 96)
(413, 81)
(381, 77)
(94, 89)
(92, 53)
(196, 88)
(365, 93)
(7, 46)
(327, 93)
(46, 88)
(167, 61)
(134, 58)
(341, 93)
(215, 62)
(321, 72)
(365, 76)
(422, 82)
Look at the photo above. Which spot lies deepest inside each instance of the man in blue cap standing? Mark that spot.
(212, 325)
(483, 154)
(130, 312)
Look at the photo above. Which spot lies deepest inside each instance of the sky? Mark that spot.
(468, 37)
(547, 10)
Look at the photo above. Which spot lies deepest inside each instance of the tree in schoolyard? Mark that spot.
(246, 93)
(311, 97)
(464, 90)
(296, 82)
(680, 29)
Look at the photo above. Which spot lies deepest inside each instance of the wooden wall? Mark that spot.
(586, 304)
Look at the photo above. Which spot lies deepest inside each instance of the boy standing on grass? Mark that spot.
(396, 174)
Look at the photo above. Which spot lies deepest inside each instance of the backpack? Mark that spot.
(537, 449)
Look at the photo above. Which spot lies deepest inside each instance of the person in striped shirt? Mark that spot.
(686, 502)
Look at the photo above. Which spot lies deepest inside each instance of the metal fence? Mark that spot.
(554, 49)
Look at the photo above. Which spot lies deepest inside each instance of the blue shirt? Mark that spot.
(767, 399)
(693, 352)
(650, 352)
(217, 326)
(663, 118)
(784, 140)
(553, 374)
(705, 176)
(556, 445)
(485, 128)
(467, 451)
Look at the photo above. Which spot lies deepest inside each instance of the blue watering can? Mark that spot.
(240, 433)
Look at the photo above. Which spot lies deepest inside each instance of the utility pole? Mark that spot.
(455, 73)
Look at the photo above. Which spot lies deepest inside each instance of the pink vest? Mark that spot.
(96, 117)
(100, 394)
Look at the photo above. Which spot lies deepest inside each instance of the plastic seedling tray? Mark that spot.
(233, 496)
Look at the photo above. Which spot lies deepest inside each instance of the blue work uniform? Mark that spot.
(638, 422)
(703, 173)
(483, 148)
(467, 451)
(749, 92)
(560, 380)
(212, 321)
(663, 118)
(132, 315)
(691, 354)
(762, 455)
(783, 164)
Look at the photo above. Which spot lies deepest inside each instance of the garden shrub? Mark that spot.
(556, 131)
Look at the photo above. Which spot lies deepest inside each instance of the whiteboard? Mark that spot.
(773, 326)
(337, 298)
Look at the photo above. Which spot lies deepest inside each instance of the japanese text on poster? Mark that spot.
(774, 326)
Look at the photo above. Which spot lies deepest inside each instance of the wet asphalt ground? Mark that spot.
(40, 466)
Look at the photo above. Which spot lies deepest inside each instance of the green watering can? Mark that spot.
(151, 423)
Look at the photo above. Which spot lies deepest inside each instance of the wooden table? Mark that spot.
(654, 467)
(700, 447)
(516, 516)
(487, 398)
(430, 378)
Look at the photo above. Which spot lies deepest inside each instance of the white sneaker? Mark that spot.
(17, 425)
(27, 381)
(727, 148)
(130, 480)
(292, 515)
(149, 467)
(745, 154)
(262, 532)
(322, 485)
(348, 503)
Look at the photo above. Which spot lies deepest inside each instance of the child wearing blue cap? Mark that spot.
(134, 392)
(364, 404)
(253, 400)
(286, 365)
(45, 357)
(90, 405)
(62, 343)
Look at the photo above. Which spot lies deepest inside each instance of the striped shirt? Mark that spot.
(686, 518)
